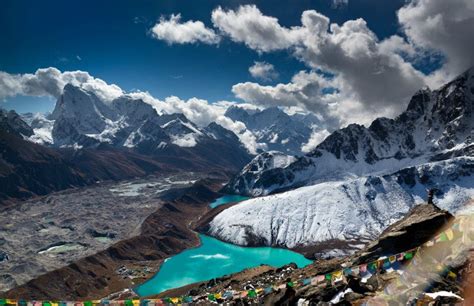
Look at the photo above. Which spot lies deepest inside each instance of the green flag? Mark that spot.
(252, 294)
(211, 297)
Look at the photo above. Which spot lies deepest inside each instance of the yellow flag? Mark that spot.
(218, 295)
(175, 300)
(450, 234)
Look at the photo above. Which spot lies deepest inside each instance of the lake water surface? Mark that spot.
(213, 259)
(228, 199)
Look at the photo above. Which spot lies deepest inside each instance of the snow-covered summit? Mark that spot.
(275, 129)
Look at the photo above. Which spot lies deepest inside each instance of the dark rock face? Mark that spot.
(28, 169)
(11, 122)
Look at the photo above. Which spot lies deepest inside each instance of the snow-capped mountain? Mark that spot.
(275, 129)
(82, 120)
(435, 126)
(340, 217)
(42, 127)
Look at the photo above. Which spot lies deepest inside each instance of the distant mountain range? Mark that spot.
(359, 179)
(275, 130)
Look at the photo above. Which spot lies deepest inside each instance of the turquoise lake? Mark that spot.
(212, 259)
(228, 199)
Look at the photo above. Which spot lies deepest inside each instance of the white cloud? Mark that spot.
(248, 25)
(50, 82)
(442, 26)
(303, 92)
(367, 70)
(263, 71)
(316, 138)
(173, 31)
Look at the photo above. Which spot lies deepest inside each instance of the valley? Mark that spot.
(47, 233)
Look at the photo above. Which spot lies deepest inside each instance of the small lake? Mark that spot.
(212, 259)
(228, 199)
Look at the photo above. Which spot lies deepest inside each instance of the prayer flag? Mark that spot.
(372, 267)
(328, 276)
(290, 284)
(187, 299)
(449, 234)
(282, 286)
(337, 276)
(306, 281)
(408, 255)
(392, 259)
(252, 294)
(363, 268)
(441, 237)
(355, 271)
(347, 271)
(211, 297)
(268, 290)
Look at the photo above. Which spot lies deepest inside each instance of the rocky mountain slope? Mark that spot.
(275, 129)
(435, 126)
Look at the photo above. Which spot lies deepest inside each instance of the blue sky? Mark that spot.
(347, 61)
(111, 40)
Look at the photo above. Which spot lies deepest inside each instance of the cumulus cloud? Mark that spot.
(249, 26)
(263, 71)
(444, 27)
(305, 91)
(50, 82)
(173, 31)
